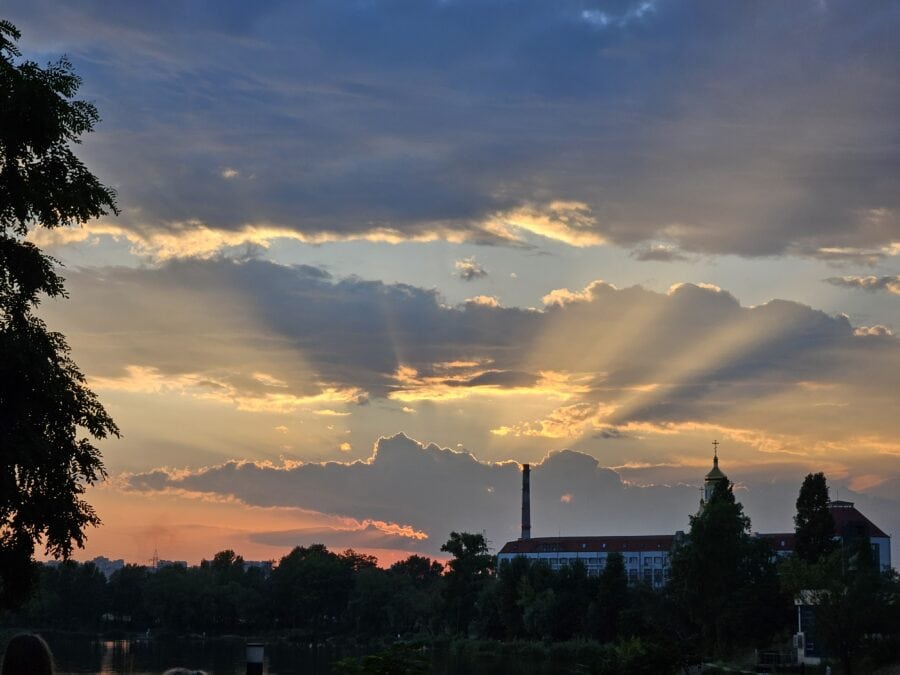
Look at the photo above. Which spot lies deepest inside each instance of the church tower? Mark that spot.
(713, 478)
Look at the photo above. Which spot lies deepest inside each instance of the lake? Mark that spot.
(219, 656)
(226, 656)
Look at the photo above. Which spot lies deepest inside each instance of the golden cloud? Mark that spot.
(150, 380)
(564, 221)
(411, 386)
(567, 222)
(484, 301)
(563, 296)
(571, 421)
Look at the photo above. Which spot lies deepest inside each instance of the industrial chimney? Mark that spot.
(526, 502)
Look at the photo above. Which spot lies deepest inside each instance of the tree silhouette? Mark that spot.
(707, 569)
(814, 523)
(612, 597)
(48, 416)
(467, 574)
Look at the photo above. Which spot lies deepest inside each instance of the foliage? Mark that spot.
(612, 598)
(125, 592)
(314, 584)
(44, 402)
(724, 580)
(858, 610)
(814, 523)
(414, 604)
(857, 606)
(399, 659)
(69, 596)
(635, 655)
(556, 620)
(470, 570)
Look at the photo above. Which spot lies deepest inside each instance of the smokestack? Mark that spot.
(526, 501)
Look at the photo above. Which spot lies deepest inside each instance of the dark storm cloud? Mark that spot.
(755, 129)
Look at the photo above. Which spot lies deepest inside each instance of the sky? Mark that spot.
(373, 255)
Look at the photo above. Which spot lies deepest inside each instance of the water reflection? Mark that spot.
(219, 656)
(115, 657)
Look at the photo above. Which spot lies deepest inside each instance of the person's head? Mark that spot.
(27, 654)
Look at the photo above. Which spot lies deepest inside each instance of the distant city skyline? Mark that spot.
(371, 257)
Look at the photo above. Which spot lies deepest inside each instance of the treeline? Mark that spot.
(318, 594)
(728, 593)
(313, 593)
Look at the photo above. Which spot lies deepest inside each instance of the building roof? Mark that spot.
(849, 522)
(715, 473)
(653, 542)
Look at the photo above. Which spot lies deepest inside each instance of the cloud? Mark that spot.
(658, 253)
(891, 284)
(609, 433)
(425, 488)
(150, 380)
(568, 421)
(563, 296)
(593, 359)
(569, 222)
(873, 331)
(468, 269)
(468, 382)
(840, 256)
(196, 239)
(484, 301)
(367, 536)
(410, 495)
(559, 123)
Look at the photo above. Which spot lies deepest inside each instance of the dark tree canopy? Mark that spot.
(814, 523)
(467, 575)
(612, 597)
(48, 416)
(42, 182)
(723, 578)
